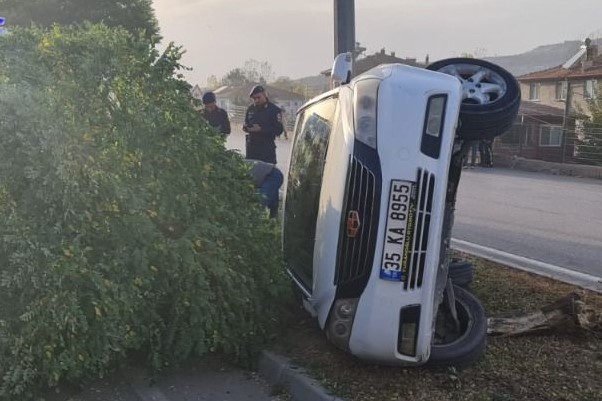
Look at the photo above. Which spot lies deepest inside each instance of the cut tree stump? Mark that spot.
(569, 312)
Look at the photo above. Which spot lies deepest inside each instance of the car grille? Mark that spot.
(425, 185)
(355, 255)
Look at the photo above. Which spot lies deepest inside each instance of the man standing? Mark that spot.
(486, 153)
(263, 123)
(216, 117)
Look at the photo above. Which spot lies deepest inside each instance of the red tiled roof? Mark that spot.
(594, 71)
(366, 63)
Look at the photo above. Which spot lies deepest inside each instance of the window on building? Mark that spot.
(550, 136)
(534, 91)
(561, 90)
(590, 89)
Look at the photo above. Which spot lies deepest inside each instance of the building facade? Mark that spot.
(576, 81)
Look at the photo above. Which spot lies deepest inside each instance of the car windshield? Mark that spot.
(314, 128)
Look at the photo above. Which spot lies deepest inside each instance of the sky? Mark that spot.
(297, 37)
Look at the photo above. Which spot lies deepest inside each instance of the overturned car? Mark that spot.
(369, 205)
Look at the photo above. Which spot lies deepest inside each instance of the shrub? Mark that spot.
(126, 225)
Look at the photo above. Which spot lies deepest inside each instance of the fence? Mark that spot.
(588, 145)
(580, 144)
(237, 114)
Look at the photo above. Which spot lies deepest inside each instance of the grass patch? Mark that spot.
(556, 365)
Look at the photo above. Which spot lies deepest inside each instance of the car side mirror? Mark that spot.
(341, 70)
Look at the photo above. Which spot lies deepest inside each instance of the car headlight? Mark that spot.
(365, 102)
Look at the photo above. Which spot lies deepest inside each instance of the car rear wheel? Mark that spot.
(461, 273)
(463, 344)
(490, 96)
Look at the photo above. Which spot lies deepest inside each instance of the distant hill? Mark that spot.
(540, 58)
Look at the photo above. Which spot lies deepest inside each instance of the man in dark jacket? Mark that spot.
(267, 179)
(216, 117)
(263, 123)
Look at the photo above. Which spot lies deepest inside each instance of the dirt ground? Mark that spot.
(554, 365)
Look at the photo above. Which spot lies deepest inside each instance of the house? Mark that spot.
(235, 99)
(538, 134)
(196, 92)
(569, 88)
(364, 64)
(576, 80)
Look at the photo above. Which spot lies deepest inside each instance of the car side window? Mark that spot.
(304, 185)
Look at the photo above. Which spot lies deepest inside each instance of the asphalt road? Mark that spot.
(551, 219)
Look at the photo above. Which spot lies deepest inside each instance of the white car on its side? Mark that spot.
(368, 210)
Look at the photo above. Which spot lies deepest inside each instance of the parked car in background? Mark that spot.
(369, 206)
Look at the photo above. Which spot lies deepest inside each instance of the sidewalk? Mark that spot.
(198, 381)
(277, 379)
(540, 166)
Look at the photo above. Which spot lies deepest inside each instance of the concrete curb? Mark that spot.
(582, 280)
(278, 370)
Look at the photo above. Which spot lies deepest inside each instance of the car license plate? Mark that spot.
(399, 229)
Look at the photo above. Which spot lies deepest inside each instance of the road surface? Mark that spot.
(552, 219)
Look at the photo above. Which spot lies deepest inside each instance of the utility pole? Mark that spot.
(344, 26)
(565, 117)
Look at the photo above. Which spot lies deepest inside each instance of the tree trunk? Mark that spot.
(569, 312)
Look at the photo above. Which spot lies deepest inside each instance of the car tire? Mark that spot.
(461, 273)
(463, 348)
(490, 98)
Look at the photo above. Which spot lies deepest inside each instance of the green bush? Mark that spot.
(125, 224)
